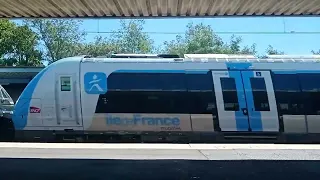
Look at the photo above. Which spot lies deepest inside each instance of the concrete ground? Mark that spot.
(158, 161)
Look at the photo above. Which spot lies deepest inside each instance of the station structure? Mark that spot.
(155, 8)
(15, 79)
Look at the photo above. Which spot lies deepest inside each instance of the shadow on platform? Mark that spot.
(47, 169)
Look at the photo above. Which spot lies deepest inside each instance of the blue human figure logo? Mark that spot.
(95, 83)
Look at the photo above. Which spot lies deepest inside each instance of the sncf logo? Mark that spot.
(34, 110)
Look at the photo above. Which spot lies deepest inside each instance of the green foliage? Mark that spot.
(271, 51)
(60, 37)
(130, 38)
(200, 39)
(6, 34)
(18, 45)
(316, 52)
(99, 47)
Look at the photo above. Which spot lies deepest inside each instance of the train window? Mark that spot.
(200, 82)
(117, 102)
(173, 81)
(260, 95)
(286, 82)
(200, 94)
(288, 94)
(65, 83)
(310, 82)
(202, 103)
(144, 93)
(311, 92)
(229, 93)
(132, 81)
(146, 81)
(165, 102)
(142, 102)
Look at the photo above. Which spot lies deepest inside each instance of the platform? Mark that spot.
(158, 161)
(160, 151)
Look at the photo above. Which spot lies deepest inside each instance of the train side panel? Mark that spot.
(293, 93)
(267, 119)
(297, 94)
(136, 122)
(51, 101)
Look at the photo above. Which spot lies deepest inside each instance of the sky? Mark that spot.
(265, 31)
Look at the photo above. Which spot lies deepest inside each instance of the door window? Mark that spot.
(260, 95)
(229, 93)
(65, 83)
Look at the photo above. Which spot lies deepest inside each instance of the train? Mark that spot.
(198, 97)
(6, 112)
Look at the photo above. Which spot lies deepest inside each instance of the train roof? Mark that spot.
(205, 58)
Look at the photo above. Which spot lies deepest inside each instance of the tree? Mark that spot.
(200, 39)
(233, 47)
(59, 37)
(316, 52)
(99, 47)
(130, 38)
(271, 51)
(18, 45)
(249, 49)
(6, 34)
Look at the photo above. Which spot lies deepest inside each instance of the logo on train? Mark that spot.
(35, 109)
(165, 123)
(95, 82)
(258, 74)
(138, 119)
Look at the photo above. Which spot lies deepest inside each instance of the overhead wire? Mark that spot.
(218, 32)
(284, 32)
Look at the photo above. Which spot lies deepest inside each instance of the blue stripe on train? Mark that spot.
(164, 71)
(254, 116)
(21, 108)
(244, 80)
(295, 71)
(240, 118)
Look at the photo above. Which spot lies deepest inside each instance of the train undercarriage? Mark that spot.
(9, 134)
(161, 137)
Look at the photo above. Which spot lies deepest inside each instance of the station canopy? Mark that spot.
(155, 8)
(12, 75)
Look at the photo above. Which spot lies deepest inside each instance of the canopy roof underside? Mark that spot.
(155, 8)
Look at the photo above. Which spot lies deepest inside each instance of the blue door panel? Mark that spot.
(241, 118)
(254, 116)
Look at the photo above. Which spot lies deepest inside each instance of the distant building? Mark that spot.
(15, 79)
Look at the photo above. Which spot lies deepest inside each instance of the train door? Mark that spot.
(245, 101)
(231, 103)
(67, 105)
(261, 101)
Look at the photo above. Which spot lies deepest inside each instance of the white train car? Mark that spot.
(197, 94)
